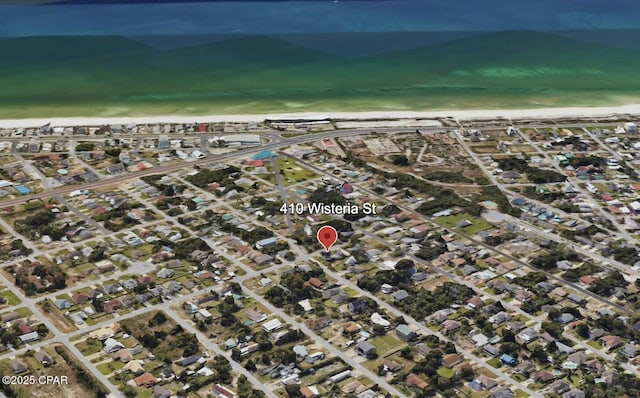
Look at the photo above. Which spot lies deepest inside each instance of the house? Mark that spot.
(503, 392)
(525, 368)
(145, 380)
(319, 323)
(24, 328)
(134, 367)
(222, 392)
(491, 350)
(112, 306)
(117, 168)
(508, 359)
(574, 393)
(416, 381)
(543, 376)
(309, 392)
(483, 383)
(451, 325)
(577, 299)
(475, 302)
(559, 386)
(391, 366)
(449, 360)
(499, 318)
(629, 350)
(546, 286)
(43, 358)
(463, 368)
(399, 295)
(387, 288)
(123, 355)
(161, 392)
(190, 360)
(63, 304)
(10, 316)
(418, 277)
(80, 298)
(405, 333)
(351, 327)
(18, 366)
(306, 305)
(129, 284)
(578, 358)
(112, 345)
(29, 337)
(265, 243)
(166, 273)
(317, 283)
(272, 325)
(565, 317)
(611, 342)
(479, 339)
(256, 316)
(527, 335)
(366, 350)
(357, 306)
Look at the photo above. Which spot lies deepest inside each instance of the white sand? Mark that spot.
(584, 112)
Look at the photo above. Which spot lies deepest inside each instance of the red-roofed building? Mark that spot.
(146, 380)
(24, 328)
(315, 282)
(80, 298)
(413, 380)
(346, 188)
(112, 306)
(222, 392)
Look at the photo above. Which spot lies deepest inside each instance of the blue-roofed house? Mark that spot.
(508, 359)
(63, 304)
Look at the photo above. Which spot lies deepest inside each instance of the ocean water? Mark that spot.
(282, 56)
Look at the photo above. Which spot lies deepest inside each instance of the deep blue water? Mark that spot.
(281, 17)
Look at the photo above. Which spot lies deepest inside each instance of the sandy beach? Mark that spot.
(577, 112)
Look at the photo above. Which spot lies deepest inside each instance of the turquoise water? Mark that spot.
(235, 57)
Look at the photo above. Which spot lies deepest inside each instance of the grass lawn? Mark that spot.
(495, 362)
(330, 304)
(595, 344)
(11, 298)
(89, 349)
(386, 343)
(110, 367)
(63, 297)
(477, 224)
(521, 394)
(350, 291)
(293, 173)
(445, 372)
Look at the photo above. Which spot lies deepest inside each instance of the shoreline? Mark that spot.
(564, 112)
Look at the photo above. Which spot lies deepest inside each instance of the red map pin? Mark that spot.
(327, 236)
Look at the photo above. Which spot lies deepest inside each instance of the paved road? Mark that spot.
(281, 314)
(165, 169)
(188, 326)
(477, 242)
(61, 338)
(576, 183)
(274, 144)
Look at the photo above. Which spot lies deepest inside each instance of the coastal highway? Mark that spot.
(276, 143)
